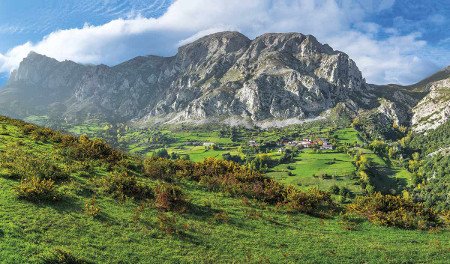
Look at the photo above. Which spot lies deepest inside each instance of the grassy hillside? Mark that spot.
(107, 207)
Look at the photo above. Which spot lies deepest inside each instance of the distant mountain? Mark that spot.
(423, 105)
(434, 109)
(223, 77)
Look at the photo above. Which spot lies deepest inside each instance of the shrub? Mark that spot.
(161, 153)
(122, 185)
(334, 189)
(169, 197)
(314, 201)
(21, 164)
(396, 211)
(36, 189)
(158, 168)
(85, 149)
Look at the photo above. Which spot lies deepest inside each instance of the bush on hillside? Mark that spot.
(122, 185)
(395, 211)
(313, 201)
(169, 197)
(96, 149)
(36, 189)
(159, 168)
(21, 164)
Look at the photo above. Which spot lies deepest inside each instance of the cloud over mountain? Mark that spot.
(383, 55)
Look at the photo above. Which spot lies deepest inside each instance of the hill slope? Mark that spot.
(104, 208)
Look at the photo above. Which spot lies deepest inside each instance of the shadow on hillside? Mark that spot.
(206, 213)
(385, 182)
(200, 212)
(64, 204)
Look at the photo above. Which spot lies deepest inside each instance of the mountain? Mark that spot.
(224, 77)
(218, 77)
(423, 105)
(434, 109)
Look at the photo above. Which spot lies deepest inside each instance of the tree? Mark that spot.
(415, 163)
(378, 146)
(161, 153)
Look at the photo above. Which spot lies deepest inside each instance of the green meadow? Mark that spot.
(217, 228)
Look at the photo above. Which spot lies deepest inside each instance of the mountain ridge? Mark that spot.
(219, 77)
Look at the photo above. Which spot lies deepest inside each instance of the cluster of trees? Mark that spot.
(364, 165)
(425, 156)
(163, 153)
(376, 125)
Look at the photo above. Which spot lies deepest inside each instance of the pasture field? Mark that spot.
(309, 169)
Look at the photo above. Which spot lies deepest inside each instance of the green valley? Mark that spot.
(105, 206)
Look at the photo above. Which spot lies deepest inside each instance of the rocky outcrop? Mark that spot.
(397, 115)
(434, 109)
(220, 76)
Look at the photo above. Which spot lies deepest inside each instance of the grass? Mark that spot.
(252, 232)
(348, 135)
(309, 164)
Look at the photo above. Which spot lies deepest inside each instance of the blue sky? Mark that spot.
(392, 41)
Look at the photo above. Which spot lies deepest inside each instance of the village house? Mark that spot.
(253, 143)
(306, 143)
(292, 143)
(326, 145)
(208, 144)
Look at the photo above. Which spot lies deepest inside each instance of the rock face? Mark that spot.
(434, 109)
(218, 77)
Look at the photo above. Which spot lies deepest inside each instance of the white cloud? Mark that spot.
(337, 22)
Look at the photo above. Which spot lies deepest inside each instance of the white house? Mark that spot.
(208, 144)
(326, 145)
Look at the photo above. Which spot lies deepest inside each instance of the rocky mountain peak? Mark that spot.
(290, 42)
(212, 46)
(217, 77)
(32, 67)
